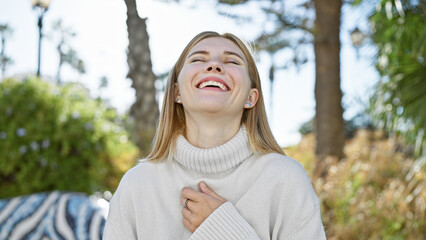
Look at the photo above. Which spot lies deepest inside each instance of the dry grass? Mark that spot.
(376, 192)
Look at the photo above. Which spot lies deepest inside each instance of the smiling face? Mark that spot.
(214, 79)
(174, 115)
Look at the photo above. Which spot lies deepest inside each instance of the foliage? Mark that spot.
(232, 2)
(377, 192)
(57, 138)
(399, 32)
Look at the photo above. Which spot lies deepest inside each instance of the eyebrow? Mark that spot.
(225, 52)
(197, 52)
(234, 54)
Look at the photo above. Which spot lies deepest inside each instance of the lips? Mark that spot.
(213, 82)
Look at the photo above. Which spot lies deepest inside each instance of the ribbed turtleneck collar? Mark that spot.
(214, 160)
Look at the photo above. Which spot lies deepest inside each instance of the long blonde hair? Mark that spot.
(172, 117)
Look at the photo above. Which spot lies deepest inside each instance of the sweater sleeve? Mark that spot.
(311, 228)
(225, 223)
(299, 206)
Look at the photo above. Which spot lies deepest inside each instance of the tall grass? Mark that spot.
(376, 192)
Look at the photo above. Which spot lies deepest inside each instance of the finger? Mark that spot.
(183, 201)
(186, 213)
(192, 219)
(188, 225)
(186, 203)
(191, 194)
(207, 190)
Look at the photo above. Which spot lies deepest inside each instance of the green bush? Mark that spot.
(58, 138)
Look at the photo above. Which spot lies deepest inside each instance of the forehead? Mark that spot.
(218, 44)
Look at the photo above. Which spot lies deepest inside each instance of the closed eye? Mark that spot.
(196, 60)
(233, 62)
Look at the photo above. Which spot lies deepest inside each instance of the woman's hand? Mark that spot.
(199, 205)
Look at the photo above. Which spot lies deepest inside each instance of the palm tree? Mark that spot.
(145, 109)
(5, 30)
(66, 53)
(329, 127)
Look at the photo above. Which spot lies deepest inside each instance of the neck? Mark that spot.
(214, 160)
(210, 132)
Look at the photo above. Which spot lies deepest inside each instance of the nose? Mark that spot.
(214, 66)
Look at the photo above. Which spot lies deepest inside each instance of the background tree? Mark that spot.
(103, 84)
(5, 31)
(66, 53)
(399, 32)
(145, 109)
(329, 127)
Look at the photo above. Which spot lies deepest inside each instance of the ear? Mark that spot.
(177, 94)
(252, 98)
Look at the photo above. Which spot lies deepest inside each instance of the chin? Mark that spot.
(212, 107)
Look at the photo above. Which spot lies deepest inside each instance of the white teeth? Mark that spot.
(213, 83)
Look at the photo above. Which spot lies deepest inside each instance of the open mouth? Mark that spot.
(213, 84)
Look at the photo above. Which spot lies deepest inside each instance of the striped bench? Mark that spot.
(52, 215)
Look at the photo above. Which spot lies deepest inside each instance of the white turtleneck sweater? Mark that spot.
(269, 196)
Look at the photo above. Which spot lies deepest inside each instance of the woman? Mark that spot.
(215, 170)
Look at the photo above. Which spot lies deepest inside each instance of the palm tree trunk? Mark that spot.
(145, 109)
(61, 61)
(329, 112)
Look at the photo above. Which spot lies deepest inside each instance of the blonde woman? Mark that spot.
(215, 170)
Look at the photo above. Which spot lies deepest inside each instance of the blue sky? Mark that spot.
(101, 42)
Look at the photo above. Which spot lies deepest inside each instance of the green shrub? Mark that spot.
(58, 138)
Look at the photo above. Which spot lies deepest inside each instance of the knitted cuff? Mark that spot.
(224, 223)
